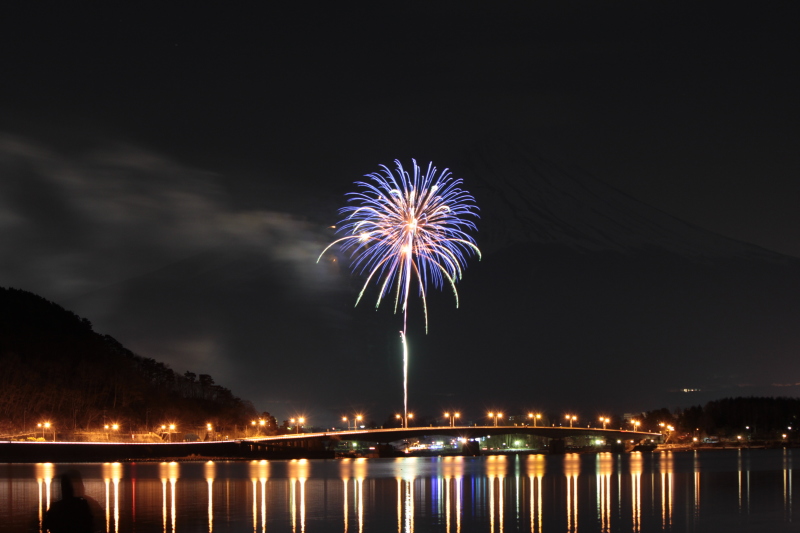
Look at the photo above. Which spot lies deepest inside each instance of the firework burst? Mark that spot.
(407, 229)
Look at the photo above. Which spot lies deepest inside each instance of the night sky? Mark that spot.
(167, 170)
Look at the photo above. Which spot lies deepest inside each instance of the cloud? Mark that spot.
(70, 224)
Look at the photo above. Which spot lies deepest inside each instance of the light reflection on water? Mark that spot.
(726, 490)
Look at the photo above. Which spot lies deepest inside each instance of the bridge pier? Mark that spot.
(557, 447)
(471, 447)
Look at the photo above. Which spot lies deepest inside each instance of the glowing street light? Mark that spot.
(571, 418)
(452, 417)
(299, 421)
(605, 421)
(495, 416)
(171, 429)
(356, 420)
(535, 417)
(404, 422)
(636, 424)
(46, 425)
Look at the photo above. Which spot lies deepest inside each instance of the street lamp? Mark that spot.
(404, 423)
(534, 417)
(299, 421)
(636, 424)
(452, 418)
(495, 416)
(571, 418)
(46, 425)
(171, 429)
(604, 420)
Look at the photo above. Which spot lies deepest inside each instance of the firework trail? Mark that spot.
(405, 229)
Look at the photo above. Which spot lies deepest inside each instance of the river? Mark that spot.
(705, 491)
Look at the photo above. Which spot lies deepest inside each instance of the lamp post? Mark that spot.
(356, 420)
(605, 421)
(635, 424)
(535, 417)
(46, 425)
(404, 422)
(495, 416)
(571, 418)
(452, 418)
(299, 421)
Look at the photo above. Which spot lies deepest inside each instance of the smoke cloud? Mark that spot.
(74, 223)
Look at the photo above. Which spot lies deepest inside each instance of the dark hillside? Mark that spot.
(56, 368)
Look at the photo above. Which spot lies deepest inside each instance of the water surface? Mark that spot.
(708, 491)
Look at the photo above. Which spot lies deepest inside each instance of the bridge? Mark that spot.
(294, 446)
(325, 440)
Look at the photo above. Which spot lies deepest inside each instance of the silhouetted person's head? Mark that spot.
(71, 484)
(72, 513)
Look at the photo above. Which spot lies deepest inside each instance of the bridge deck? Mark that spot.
(467, 432)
